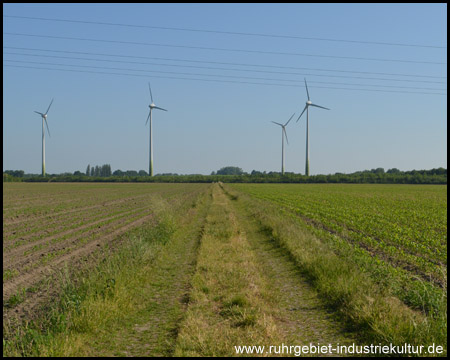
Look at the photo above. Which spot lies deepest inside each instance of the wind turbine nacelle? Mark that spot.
(151, 106)
(308, 102)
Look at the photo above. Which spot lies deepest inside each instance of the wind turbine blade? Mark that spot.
(302, 113)
(155, 107)
(37, 112)
(148, 117)
(285, 134)
(320, 106)
(289, 119)
(48, 130)
(49, 107)
(277, 123)
(307, 92)
(151, 96)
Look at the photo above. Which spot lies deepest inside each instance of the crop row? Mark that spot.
(52, 250)
(48, 225)
(52, 201)
(74, 231)
(407, 225)
(68, 223)
(419, 281)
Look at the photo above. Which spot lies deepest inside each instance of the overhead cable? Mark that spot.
(222, 69)
(215, 80)
(224, 49)
(225, 32)
(214, 75)
(225, 63)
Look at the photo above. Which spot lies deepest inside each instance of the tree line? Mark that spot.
(102, 171)
(232, 174)
(105, 171)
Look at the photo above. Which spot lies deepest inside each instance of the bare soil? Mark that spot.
(43, 276)
(39, 243)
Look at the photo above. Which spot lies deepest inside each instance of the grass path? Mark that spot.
(299, 314)
(152, 330)
(247, 291)
(133, 303)
(208, 279)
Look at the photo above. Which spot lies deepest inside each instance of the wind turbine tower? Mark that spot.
(44, 118)
(283, 135)
(151, 106)
(308, 104)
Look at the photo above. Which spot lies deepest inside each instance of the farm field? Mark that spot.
(395, 234)
(197, 269)
(405, 225)
(48, 226)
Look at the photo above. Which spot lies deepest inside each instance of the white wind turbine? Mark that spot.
(308, 104)
(44, 118)
(151, 106)
(283, 134)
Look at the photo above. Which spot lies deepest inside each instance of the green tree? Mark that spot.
(15, 173)
(256, 173)
(393, 171)
(377, 171)
(230, 170)
(105, 170)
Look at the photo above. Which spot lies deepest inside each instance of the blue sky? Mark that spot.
(100, 118)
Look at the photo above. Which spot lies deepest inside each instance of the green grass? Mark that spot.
(9, 274)
(205, 275)
(16, 298)
(97, 304)
(244, 293)
(223, 309)
(397, 233)
(334, 269)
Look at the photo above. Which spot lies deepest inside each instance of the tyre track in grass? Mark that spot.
(161, 300)
(299, 313)
(248, 291)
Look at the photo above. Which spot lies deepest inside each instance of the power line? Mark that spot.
(226, 69)
(225, 63)
(224, 32)
(221, 81)
(230, 76)
(214, 75)
(223, 49)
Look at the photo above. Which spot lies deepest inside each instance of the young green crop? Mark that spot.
(328, 230)
(407, 221)
(397, 232)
